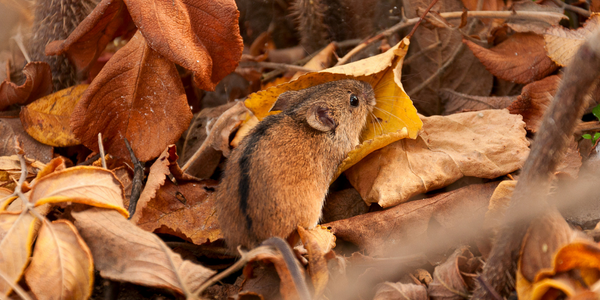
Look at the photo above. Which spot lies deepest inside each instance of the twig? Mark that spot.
(533, 186)
(15, 287)
(278, 66)
(421, 19)
(137, 181)
(572, 8)
(101, 146)
(587, 126)
(19, 40)
(90, 161)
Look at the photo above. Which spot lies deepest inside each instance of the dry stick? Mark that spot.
(532, 188)
(15, 287)
(101, 146)
(278, 66)
(572, 8)
(137, 182)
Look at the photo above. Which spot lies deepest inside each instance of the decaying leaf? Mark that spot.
(11, 128)
(562, 43)
(484, 144)
(17, 232)
(397, 290)
(534, 100)
(412, 225)
(125, 252)
(87, 185)
(342, 205)
(317, 264)
(48, 119)
(521, 58)
(37, 84)
(62, 265)
(138, 95)
(454, 278)
(394, 110)
(10, 169)
(85, 44)
(454, 102)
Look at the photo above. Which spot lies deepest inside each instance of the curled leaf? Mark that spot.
(38, 83)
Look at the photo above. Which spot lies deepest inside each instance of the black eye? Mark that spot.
(353, 100)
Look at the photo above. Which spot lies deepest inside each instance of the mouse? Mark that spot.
(278, 176)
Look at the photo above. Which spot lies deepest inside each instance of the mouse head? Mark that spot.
(337, 106)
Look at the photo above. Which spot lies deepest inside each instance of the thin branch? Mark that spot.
(572, 8)
(101, 146)
(15, 287)
(278, 66)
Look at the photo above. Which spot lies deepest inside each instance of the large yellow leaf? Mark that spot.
(48, 119)
(62, 266)
(397, 117)
(87, 185)
(17, 231)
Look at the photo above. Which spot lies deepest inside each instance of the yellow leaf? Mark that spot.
(48, 119)
(87, 185)
(17, 231)
(397, 117)
(62, 265)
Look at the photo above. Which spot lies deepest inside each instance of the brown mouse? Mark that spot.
(278, 176)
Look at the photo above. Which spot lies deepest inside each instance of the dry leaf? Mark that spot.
(286, 286)
(85, 44)
(201, 36)
(571, 162)
(397, 116)
(454, 102)
(62, 265)
(343, 204)
(484, 144)
(138, 95)
(551, 16)
(521, 58)
(186, 210)
(410, 224)
(37, 84)
(11, 128)
(17, 232)
(448, 277)
(124, 252)
(499, 204)
(10, 169)
(400, 291)
(534, 100)
(87, 185)
(562, 43)
(317, 264)
(48, 119)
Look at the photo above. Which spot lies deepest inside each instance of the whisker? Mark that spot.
(389, 113)
(375, 124)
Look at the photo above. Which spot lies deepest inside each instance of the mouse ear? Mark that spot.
(285, 101)
(320, 118)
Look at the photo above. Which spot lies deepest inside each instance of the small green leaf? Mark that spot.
(587, 136)
(596, 136)
(596, 111)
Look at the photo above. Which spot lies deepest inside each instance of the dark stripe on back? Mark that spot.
(245, 164)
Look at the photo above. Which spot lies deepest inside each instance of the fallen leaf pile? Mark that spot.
(110, 183)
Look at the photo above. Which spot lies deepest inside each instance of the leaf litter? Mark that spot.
(412, 213)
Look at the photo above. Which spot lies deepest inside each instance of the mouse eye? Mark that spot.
(353, 100)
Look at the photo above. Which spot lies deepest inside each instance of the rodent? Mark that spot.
(278, 176)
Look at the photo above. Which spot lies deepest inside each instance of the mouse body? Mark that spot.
(278, 176)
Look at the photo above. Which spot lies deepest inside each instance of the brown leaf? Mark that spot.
(124, 252)
(521, 58)
(17, 231)
(571, 162)
(262, 283)
(10, 169)
(541, 23)
(342, 205)
(317, 264)
(48, 119)
(433, 48)
(87, 185)
(186, 210)
(394, 291)
(410, 224)
(138, 95)
(484, 144)
(62, 265)
(534, 100)
(37, 84)
(10, 128)
(85, 44)
(448, 281)
(562, 43)
(202, 36)
(286, 287)
(454, 102)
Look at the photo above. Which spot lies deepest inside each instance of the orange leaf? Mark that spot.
(48, 119)
(202, 36)
(62, 265)
(138, 95)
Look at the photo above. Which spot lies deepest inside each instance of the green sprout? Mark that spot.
(587, 136)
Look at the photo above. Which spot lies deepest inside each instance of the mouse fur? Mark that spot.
(278, 176)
